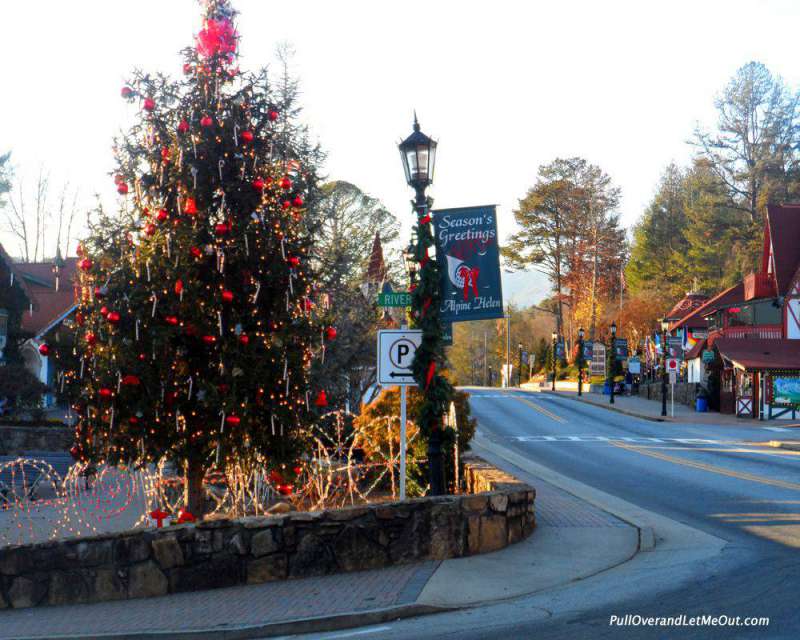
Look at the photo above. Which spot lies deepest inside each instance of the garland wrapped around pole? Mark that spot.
(418, 153)
(429, 359)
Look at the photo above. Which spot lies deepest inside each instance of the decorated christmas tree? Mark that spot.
(198, 319)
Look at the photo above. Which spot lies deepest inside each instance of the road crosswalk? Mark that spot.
(632, 439)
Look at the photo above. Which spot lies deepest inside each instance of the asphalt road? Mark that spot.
(712, 478)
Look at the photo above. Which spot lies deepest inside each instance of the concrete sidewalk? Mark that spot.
(573, 540)
(651, 410)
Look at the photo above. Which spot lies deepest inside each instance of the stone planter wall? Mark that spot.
(685, 392)
(14, 440)
(224, 553)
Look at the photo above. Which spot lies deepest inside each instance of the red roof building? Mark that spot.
(754, 326)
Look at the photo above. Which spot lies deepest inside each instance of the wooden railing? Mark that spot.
(771, 332)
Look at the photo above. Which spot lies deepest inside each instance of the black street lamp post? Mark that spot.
(418, 153)
(580, 361)
(519, 371)
(664, 374)
(555, 346)
(611, 366)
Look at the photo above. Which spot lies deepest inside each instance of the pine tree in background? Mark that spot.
(198, 317)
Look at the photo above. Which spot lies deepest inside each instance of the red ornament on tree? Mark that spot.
(206, 121)
(75, 452)
(195, 251)
(209, 339)
(233, 420)
(285, 183)
(187, 68)
(293, 260)
(244, 339)
(247, 136)
(44, 349)
(227, 296)
(191, 207)
(126, 92)
(221, 229)
(85, 264)
(91, 339)
(178, 287)
(162, 215)
(122, 188)
(258, 184)
(322, 399)
(131, 380)
(149, 104)
(275, 477)
(150, 228)
(286, 205)
(104, 311)
(79, 319)
(106, 393)
(99, 293)
(165, 154)
(171, 320)
(183, 126)
(298, 201)
(113, 317)
(285, 489)
(272, 115)
(330, 333)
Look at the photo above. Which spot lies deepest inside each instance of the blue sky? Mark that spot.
(504, 86)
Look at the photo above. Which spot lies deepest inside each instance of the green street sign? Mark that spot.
(394, 299)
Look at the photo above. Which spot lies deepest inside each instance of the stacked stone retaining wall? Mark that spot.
(498, 511)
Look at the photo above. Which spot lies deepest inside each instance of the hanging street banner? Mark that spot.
(621, 349)
(675, 346)
(468, 254)
(588, 346)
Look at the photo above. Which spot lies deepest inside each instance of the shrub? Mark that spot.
(20, 388)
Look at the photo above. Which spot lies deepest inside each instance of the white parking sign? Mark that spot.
(396, 349)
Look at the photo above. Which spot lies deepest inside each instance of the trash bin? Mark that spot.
(607, 388)
(701, 405)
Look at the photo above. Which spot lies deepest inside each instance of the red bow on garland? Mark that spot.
(470, 276)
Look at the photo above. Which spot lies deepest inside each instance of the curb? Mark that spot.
(647, 535)
(633, 414)
(289, 627)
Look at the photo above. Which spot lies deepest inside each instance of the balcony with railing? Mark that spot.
(770, 332)
(758, 285)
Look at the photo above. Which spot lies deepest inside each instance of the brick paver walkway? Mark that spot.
(219, 609)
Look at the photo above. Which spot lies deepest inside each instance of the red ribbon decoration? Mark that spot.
(425, 305)
(218, 36)
(425, 220)
(429, 375)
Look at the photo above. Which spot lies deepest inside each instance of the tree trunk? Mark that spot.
(194, 496)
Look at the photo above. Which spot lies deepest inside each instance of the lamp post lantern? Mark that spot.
(418, 153)
(611, 366)
(555, 345)
(580, 361)
(664, 327)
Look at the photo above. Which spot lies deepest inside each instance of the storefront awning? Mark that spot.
(760, 353)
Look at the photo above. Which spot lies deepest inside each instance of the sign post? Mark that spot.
(396, 350)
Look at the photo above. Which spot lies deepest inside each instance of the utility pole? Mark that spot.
(508, 349)
(485, 361)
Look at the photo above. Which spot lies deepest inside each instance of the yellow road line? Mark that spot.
(540, 409)
(709, 467)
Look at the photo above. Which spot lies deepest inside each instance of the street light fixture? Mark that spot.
(580, 361)
(664, 328)
(418, 153)
(555, 344)
(611, 366)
